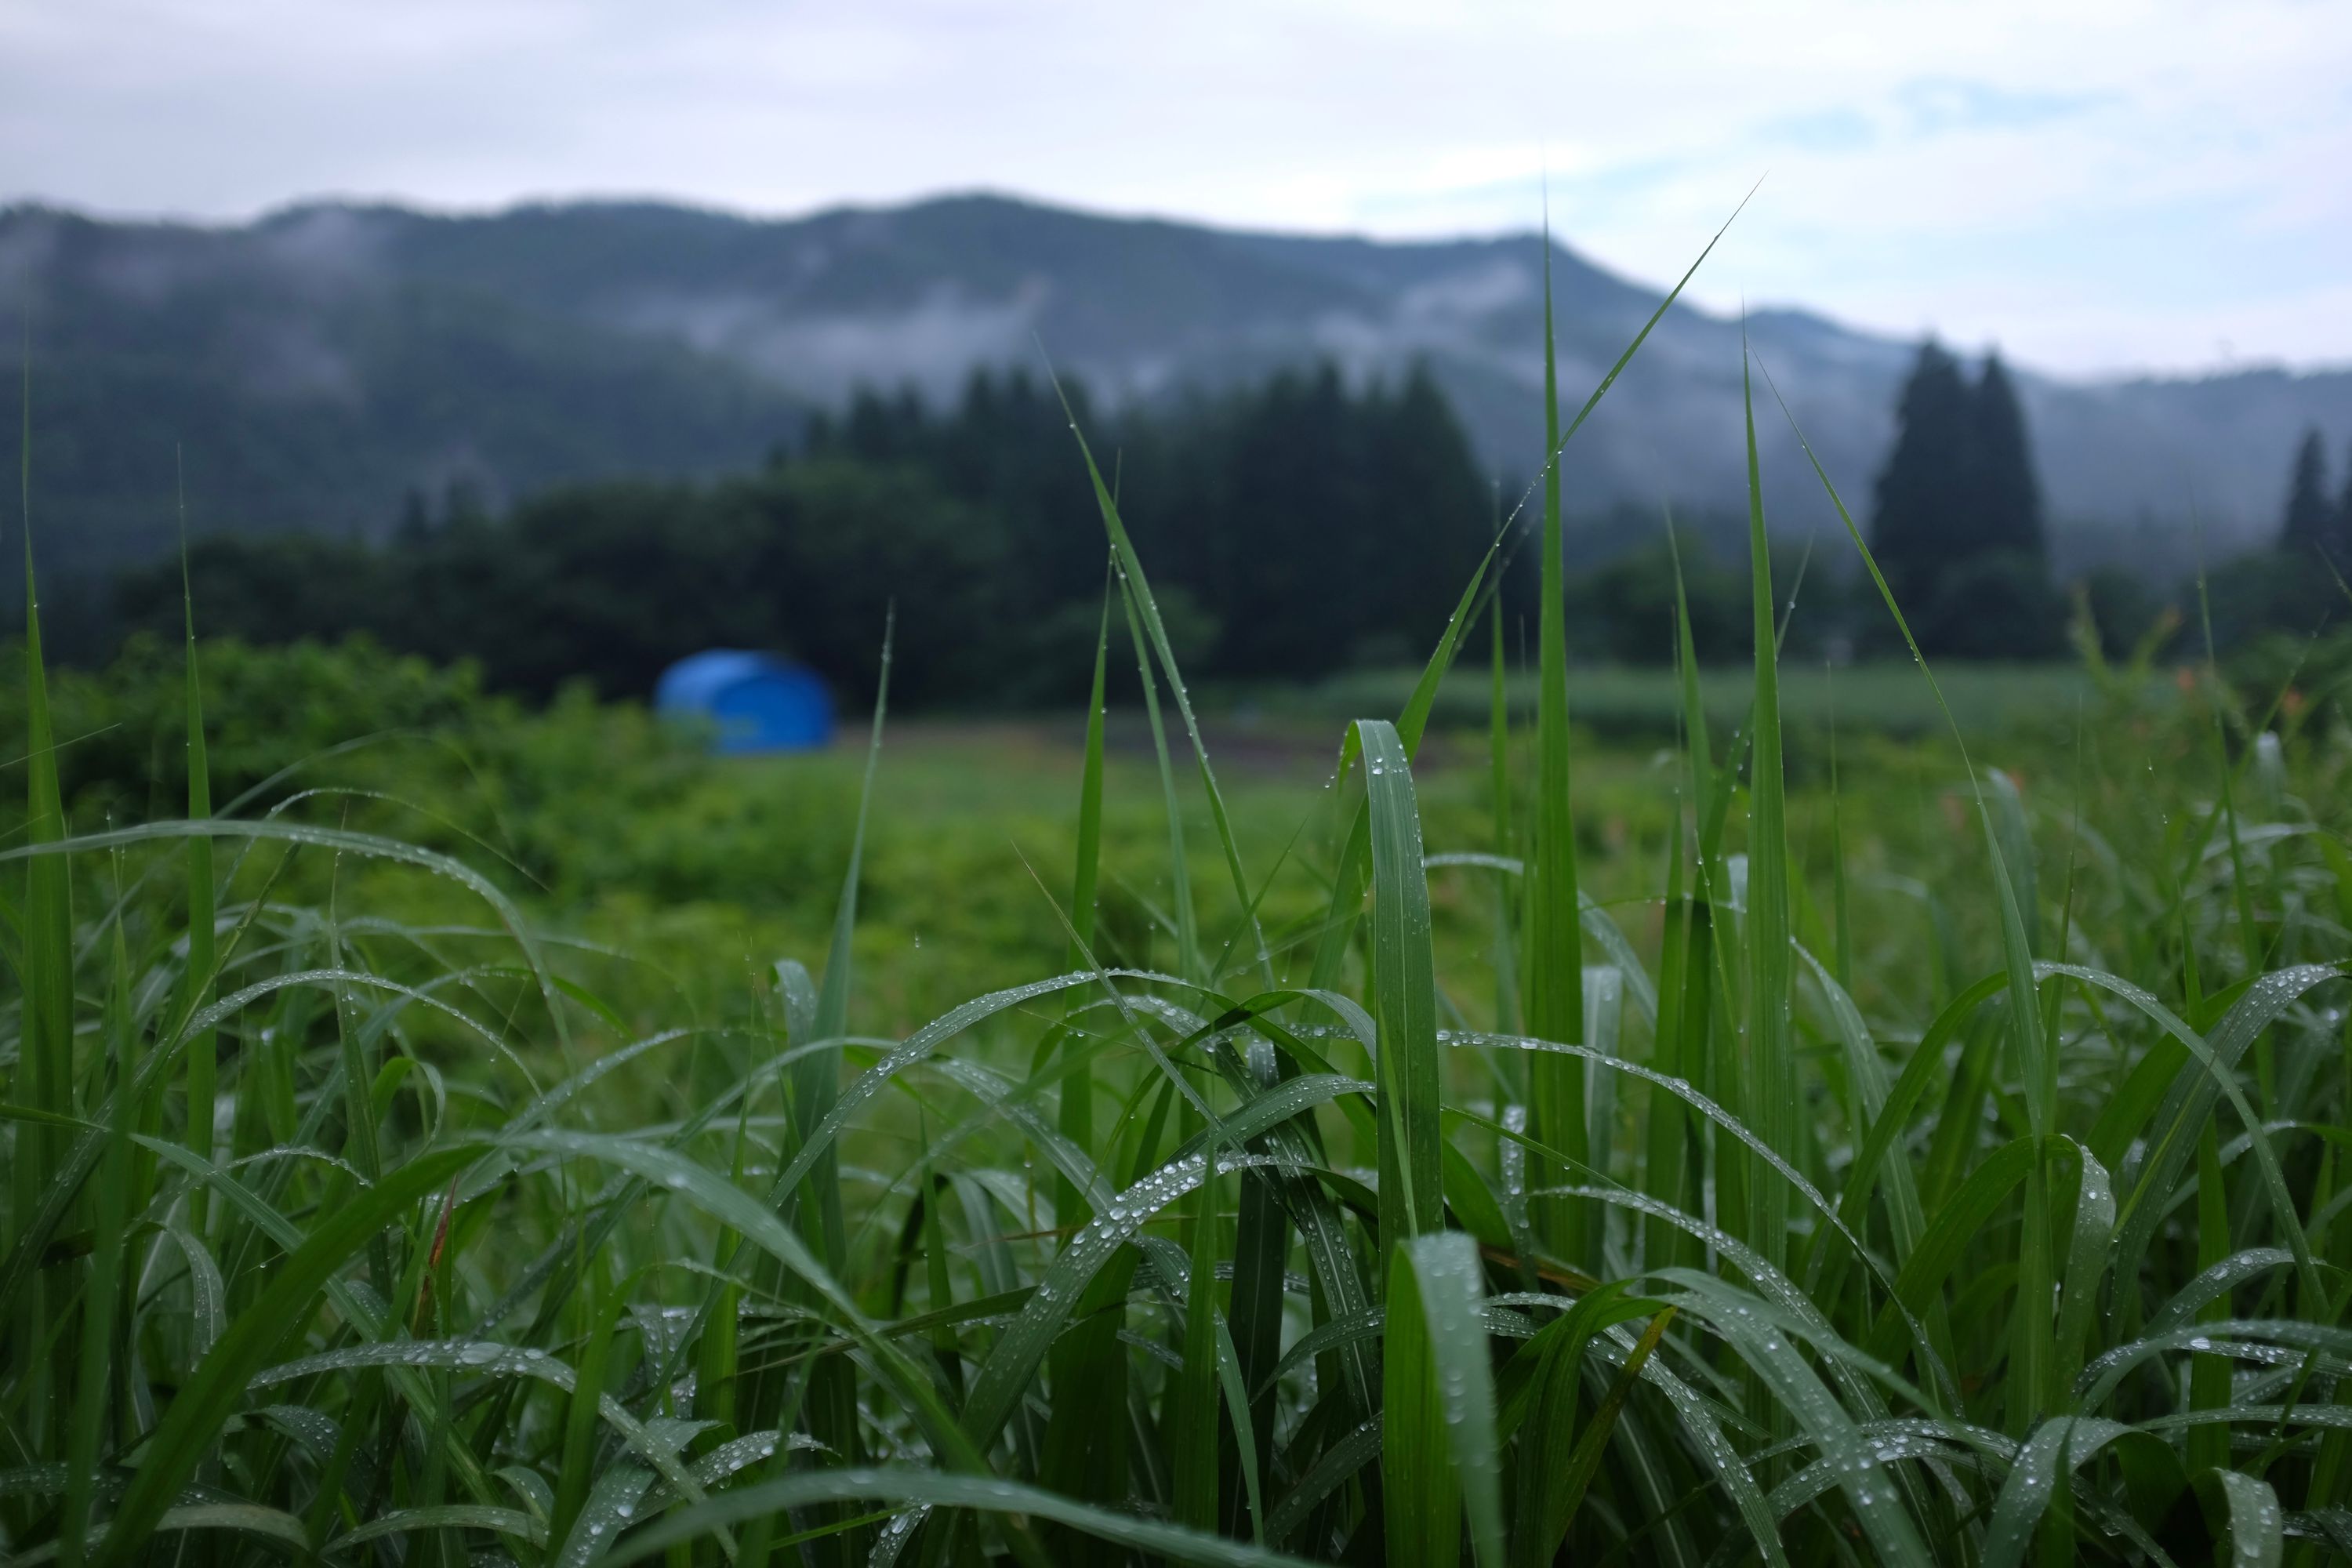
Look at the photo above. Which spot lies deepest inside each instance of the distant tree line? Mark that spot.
(1292, 529)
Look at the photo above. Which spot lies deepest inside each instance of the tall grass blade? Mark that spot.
(1179, 869)
(95, 1391)
(199, 983)
(1769, 1100)
(1193, 1420)
(1138, 588)
(1403, 994)
(1354, 872)
(1554, 961)
(45, 1067)
(1498, 745)
(1440, 1455)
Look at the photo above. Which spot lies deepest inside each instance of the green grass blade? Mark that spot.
(95, 1389)
(1544, 1414)
(1179, 869)
(45, 1067)
(1554, 961)
(1439, 1453)
(1354, 872)
(1138, 588)
(199, 983)
(600, 1312)
(1584, 1459)
(817, 1076)
(1769, 1104)
(1403, 992)
(1193, 1420)
(2248, 1512)
(1498, 750)
(2208, 1375)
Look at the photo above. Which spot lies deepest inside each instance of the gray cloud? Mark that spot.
(2064, 137)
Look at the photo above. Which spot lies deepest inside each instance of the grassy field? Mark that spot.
(1252, 1141)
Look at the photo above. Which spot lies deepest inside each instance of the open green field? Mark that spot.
(439, 1134)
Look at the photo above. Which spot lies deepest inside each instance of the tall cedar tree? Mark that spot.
(1927, 514)
(1958, 526)
(2010, 499)
(2344, 513)
(2312, 523)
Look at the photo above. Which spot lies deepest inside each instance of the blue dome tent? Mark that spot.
(758, 702)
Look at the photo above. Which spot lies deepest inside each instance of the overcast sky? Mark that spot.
(2094, 184)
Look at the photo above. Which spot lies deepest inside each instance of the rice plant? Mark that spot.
(332, 1237)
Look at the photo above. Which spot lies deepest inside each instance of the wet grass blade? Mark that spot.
(1138, 588)
(1498, 745)
(199, 983)
(1403, 994)
(95, 1389)
(45, 1067)
(1554, 959)
(1354, 872)
(1544, 1413)
(1440, 1455)
(817, 1076)
(1770, 1102)
(1584, 1459)
(1179, 869)
(1192, 1423)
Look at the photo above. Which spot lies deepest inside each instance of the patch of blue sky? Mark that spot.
(1821, 131)
(1935, 105)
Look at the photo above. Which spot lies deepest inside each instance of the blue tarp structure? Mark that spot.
(758, 702)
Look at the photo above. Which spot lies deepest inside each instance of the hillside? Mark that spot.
(318, 364)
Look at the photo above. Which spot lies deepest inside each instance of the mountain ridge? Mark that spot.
(323, 360)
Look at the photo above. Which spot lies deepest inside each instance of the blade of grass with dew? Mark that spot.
(1546, 1408)
(45, 1075)
(1193, 1418)
(1403, 992)
(95, 1378)
(1554, 964)
(1354, 873)
(1084, 1457)
(2208, 1375)
(830, 1401)
(599, 1318)
(1768, 1102)
(1584, 1459)
(1705, 960)
(1180, 871)
(1498, 748)
(1137, 589)
(200, 982)
(2034, 1329)
(1075, 1109)
(1439, 1454)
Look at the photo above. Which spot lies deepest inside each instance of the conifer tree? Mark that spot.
(1958, 526)
(2310, 519)
(2340, 551)
(1924, 514)
(2009, 500)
